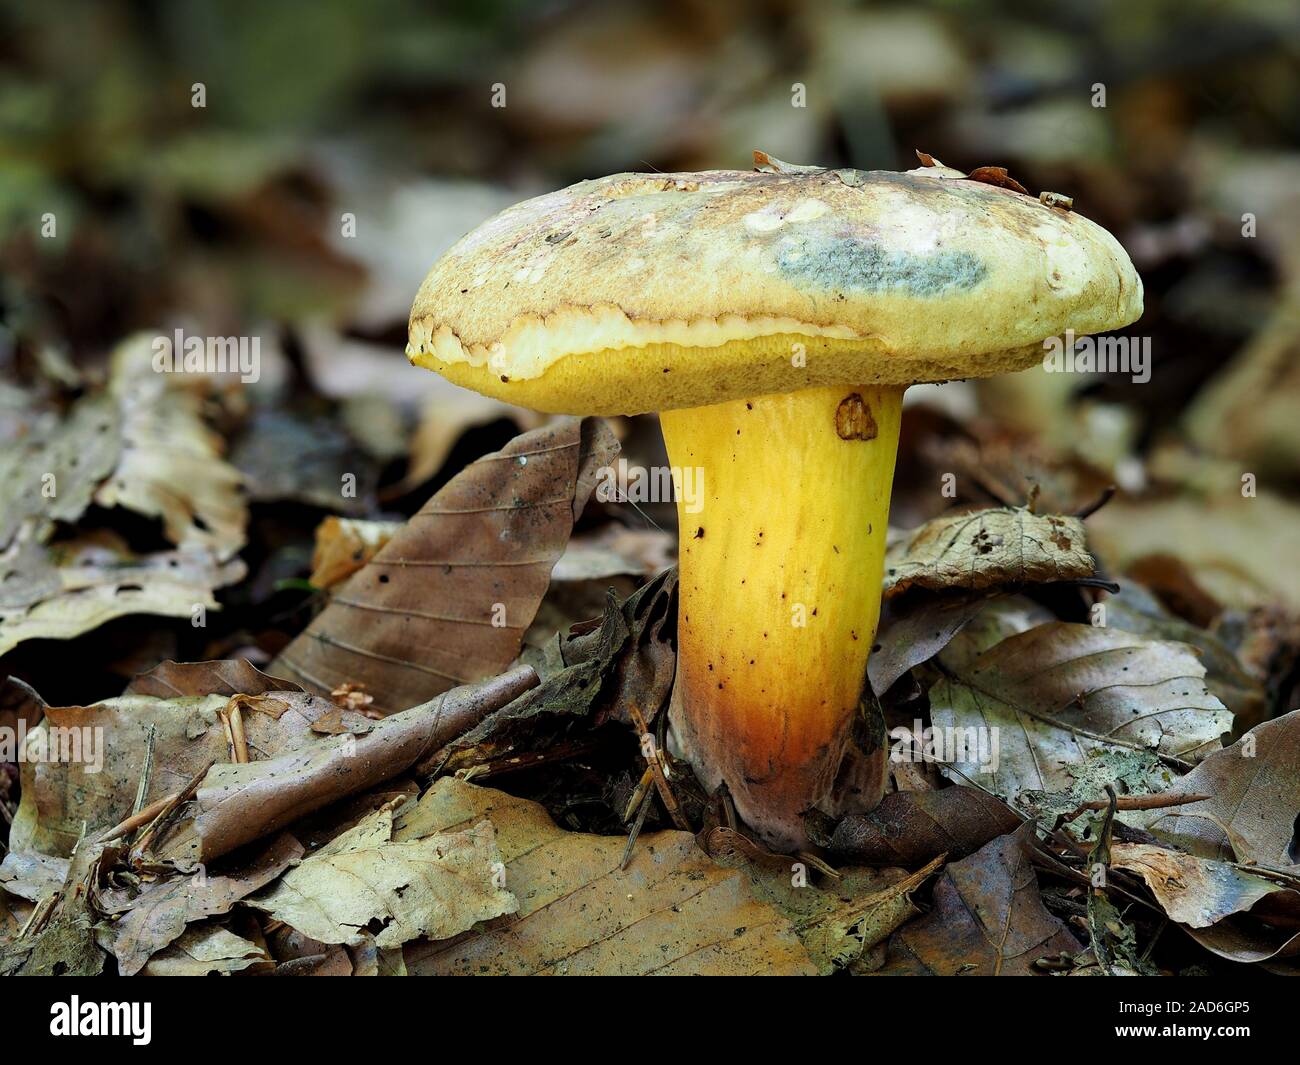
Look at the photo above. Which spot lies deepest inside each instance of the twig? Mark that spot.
(140, 817)
(238, 740)
(1131, 802)
(175, 801)
(146, 770)
(1108, 493)
(634, 800)
(658, 765)
(636, 830)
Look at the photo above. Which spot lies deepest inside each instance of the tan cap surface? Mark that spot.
(641, 292)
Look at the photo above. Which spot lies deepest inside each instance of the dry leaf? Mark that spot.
(1059, 691)
(435, 885)
(62, 799)
(988, 920)
(986, 548)
(672, 911)
(158, 915)
(237, 803)
(449, 598)
(208, 949)
(58, 592)
(1254, 789)
(51, 473)
(910, 827)
(997, 175)
(1210, 900)
(1241, 550)
(171, 466)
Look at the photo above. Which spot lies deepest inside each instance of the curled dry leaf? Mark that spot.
(1211, 900)
(449, 597)
(60, 591)
(237, 803)
(1254, 789)
(987, 548)
(435, 885)
(117, 741)
(1050, 696)
(171, 465)
(671, 911)
(997, 175)
(910, 827)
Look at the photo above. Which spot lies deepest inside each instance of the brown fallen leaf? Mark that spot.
(225, 676)
(988, 919)
(1240, 550)
(449, 598)
(238, 803)
(908, 639)
(1254, 789)
(987, 548)
(1232, 912)
(1134, 609)
(158, 915)
(997, 175)
(435, 885)
(105, 748)
(909, 827)
(671, 911)
(31, 875)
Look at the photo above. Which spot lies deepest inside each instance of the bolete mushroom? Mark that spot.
(774, 319)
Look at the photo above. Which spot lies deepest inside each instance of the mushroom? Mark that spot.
(774, 320)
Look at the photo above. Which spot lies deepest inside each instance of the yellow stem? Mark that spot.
(783, 508)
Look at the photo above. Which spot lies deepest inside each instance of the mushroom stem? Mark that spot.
(780, 591)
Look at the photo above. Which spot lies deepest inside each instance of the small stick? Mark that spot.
(141, 817)
(146, 771)
(176, 800)
(1132, 802)
(638, 793)
(636, 829)
(239, 741)
(658, 765)
(1108, 493)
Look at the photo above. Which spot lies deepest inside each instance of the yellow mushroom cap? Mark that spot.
(643, 292)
